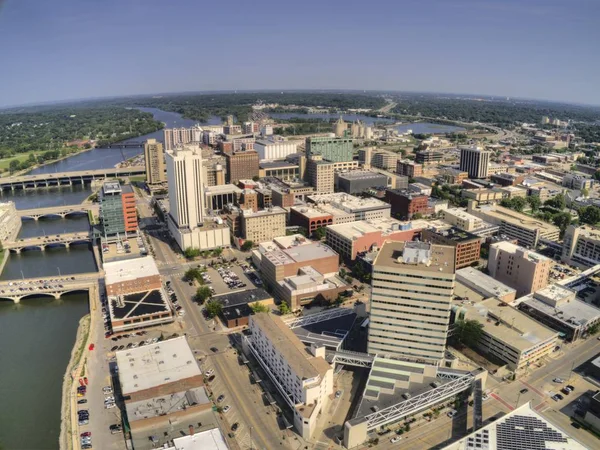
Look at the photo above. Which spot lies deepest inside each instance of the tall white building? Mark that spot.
(412, 288)
(275, 148)
(187, 210)
(176, 137)
(475, 161)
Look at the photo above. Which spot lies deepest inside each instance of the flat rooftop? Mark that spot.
(360, 175)
(501, 214)
(264, 212)
(417, 256)
(507, 324)
(311, 211)
(139, 304)
(130, 269)
(305, 365)
(277, 165)
(532, 256)
(205, 440)
(222, 189)
(483, 284)
(156, 364)
(386, 225)
(300, 253)
(573, 314)
(329, 333)
(457, 235)
(347, 202)
(165, 404)
(243, 297)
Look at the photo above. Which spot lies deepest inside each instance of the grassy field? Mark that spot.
(4, 163)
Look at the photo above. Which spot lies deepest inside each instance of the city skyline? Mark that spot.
(77, 51)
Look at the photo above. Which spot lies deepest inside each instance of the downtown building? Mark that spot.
(336, 149)
(412, 289)
(154, 157)
(475, 161)
(187, 219)
(118, 214)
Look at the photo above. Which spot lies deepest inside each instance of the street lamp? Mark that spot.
(58, 268)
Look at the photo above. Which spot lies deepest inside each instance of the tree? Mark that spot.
(594, 329)
(191, 253)
(255, 178)
(585, 192)
(192, 274)
(213, 308)
(14, 166)
(562, 220)
(284, 308)
(589, 214)
(247, 246)
(259, 307)
(534, 202)
(202, 294)
(468, 332)
(559, 202)
(597, 175)
(417, 216)
(319, 233)
(217, 251)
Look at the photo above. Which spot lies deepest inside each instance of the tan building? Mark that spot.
(525, 229)
(483, 195)
(461, 219)
(522, 269)
(409, 169)
(305, 379)
(469, 280)
(467, 245)
(413, 283)
(242, 165)
(581, 246)
(155, 162)
(320, 175)
(10, 222)
(263, 225)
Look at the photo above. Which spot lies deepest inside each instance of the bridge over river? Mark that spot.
(54, 287)
(62, 211)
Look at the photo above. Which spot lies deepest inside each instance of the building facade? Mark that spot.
(406, 204)
(118, 214)
(412, 288)
(336, 149)
(475, 161)
(581, 246)
(10, 222)
(409, 168)
(155, 162)
(263, 225)
(321, 175)
(358, 181)
(275, 148)
(522, 269)
(467, 246)
(242, 165)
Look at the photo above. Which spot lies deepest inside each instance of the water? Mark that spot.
(37, 337)
(44, 227)
(52, 261)
(45, 197)
(428, 128)
(103, 158)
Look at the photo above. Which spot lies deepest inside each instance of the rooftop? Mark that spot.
(156, 364)
(347, 202)
(274, 210)
(360, 175)
(509, 247)
(386, 225)
(457, 235)
(417, 256)
(482, 284)
(507, 215)
(111, 187)
(243, 297)
(130, 269)
(222, 189)
(205, 440)
(305, 365)
(521, 425)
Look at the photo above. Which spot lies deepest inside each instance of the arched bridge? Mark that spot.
(61, 211)
(54, 287)
(41, 242)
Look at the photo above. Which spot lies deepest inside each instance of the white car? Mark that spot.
(209, 372)
(110, 405)
(451, 413)
(226, 408)
(107, 390)
(558, 380)
(395, 439)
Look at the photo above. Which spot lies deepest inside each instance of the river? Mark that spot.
(416, 127)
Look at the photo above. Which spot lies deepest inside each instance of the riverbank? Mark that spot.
(36, 166)
(69, 394)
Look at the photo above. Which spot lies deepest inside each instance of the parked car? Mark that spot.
(524, 391)
(395, 439)
(451, 413)
(226, 408)
(235, 426)
(221, 398)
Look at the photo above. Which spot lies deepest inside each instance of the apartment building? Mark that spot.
(263, 225)
(10, 222)
(462, 219)
(384, 160)
(522, 269)
(483, 195)
(483, 285)
(350, 239)
(320, 175)
(412, 288)
(475, 161)
(409, 169)
(467, 245)
(242, 165)
(306, 379)
(429, 157)
(155, 162)
(525, 229)
(178, 137)
(581, 246)
(406, 204)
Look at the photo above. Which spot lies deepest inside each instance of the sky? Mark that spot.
(74, 49)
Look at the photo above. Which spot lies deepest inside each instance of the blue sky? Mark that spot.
(69, 49)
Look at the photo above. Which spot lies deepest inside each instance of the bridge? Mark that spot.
(41, 242)
(127, 144)
(67, 178)
(54, 287)
(350, 358)
(62, 211)
(295, 322)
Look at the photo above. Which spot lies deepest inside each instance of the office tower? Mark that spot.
(118, 215)
(412, 289)
(475, 161)
(155, 162)
(321, 175)
(331, 149)
(186, 187)
(242, 165)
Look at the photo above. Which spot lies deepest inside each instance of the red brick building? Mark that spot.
(309, 218)
(242, 166)
(406, 204)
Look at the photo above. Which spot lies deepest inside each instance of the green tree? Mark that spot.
(468, 332)
(559, 202)
(217, 251)
(191, 252)
(255, 178)
(585, 192)
(247, 246)
(589, 214)
(284, 308)
(192, 274)
(259, 307)
(202, 294)
(534, 202)
(593, 329)
(319, 233)
(597, 175)
(213, 308)
(14, 166)
(417, 216)
(562, 220)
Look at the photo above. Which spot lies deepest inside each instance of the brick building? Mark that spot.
(467, 245)
(241, 165)
(405, 204)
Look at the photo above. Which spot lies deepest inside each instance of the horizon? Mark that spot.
(72, 50)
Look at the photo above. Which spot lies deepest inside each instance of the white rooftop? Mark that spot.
(156, 364)
(347, 202)
(205, 440)
(482, 284)
(129, 269)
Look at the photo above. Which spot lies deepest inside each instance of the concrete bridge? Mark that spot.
(41, 242)
(61, 211)
(27, 182)
(55, 287)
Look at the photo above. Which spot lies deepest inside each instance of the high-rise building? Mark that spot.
(242, 165)
(336, 149)
(155, 162)
(118, 215)
(412, 288)
(321, 175)
(475, 161)
(176, 137)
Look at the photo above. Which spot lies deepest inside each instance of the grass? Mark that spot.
(4, 163)
(139, 178)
